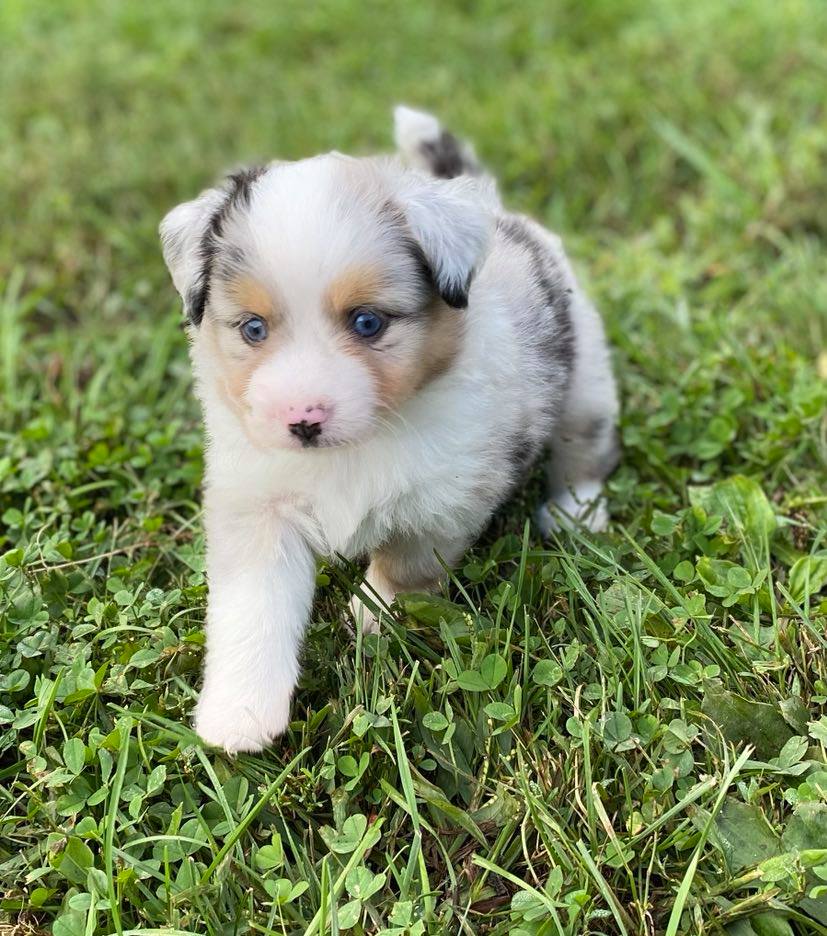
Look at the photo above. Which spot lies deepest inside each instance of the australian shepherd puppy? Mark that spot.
(381, 353)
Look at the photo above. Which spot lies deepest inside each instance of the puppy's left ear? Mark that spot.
(183, 232)
(452, 221)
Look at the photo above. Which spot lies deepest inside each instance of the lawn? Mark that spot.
(613, 734)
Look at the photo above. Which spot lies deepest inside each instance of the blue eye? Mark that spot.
(254, 330)
(366, 323)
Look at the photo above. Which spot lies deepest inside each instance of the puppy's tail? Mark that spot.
(424, 144)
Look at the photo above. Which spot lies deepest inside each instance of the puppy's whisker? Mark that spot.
(400, 423)
(389, 425)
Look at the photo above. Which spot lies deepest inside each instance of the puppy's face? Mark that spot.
(324, 294)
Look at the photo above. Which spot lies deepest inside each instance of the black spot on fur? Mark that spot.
(238, 188)
(446, 157)
(522, 454)
(456, 294)
(557, 343)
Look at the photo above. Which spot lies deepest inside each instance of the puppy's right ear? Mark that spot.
(186, 242)
(452, 220)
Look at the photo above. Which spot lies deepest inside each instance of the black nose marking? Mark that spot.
(306, 431)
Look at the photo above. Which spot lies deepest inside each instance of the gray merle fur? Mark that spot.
(238, 188)
(559, 345)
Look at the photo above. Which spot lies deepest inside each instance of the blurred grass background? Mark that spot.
(681, 150)
(600, 117)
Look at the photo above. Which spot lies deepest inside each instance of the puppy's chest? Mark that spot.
(356, 519)
(353, 525)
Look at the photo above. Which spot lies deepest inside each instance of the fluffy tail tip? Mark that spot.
(412, 128)
(424, 144)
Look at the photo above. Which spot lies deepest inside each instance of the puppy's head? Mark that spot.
(324, 293)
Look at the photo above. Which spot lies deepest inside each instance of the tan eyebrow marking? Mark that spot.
(251, 296)
(356, 286)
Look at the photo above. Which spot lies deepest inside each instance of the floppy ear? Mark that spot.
(184, 240)
(452, 221)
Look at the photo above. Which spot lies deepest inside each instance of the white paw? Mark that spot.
(581, 507)
(363, 616)
(229, 724)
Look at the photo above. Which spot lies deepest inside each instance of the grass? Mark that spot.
(619, 734)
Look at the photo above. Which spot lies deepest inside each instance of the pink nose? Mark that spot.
(314, 414)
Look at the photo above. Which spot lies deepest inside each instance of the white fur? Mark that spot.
(262, 576)
(411, 128)
(428, 474)
(180, 232)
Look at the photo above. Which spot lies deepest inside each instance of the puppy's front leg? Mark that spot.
(261, 578)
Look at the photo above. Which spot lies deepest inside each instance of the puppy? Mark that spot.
(381, 353)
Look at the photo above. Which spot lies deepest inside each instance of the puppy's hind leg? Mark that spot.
(583, 455)
(584, 444)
